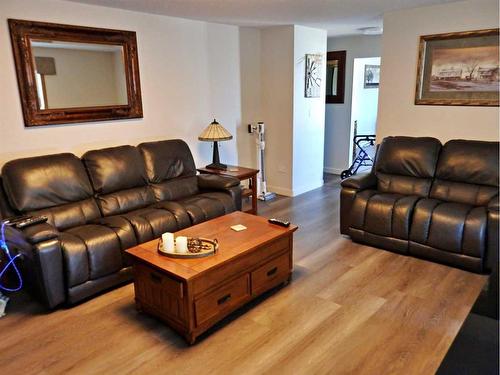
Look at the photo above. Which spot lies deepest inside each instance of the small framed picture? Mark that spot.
(459, 69)
(372, 76)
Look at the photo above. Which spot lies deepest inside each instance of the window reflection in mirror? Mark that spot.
(332, 70)
(72, 75)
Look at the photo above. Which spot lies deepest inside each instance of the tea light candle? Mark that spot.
(181, 244)
(168, 242)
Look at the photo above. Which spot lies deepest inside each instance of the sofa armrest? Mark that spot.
(42, 261)
(360, 182)
(350, 188)
(40, 232)
(215, 182)
(493, 204)
(227, 184)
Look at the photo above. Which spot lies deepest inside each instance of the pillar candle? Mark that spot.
(181, 244)
(168, 242)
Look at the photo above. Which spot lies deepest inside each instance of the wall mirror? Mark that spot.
(335, 76)
(69, 74)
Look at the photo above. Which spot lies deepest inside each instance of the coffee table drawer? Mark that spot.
(222, 300)
(270, 274)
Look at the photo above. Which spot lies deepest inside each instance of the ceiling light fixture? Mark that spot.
(371, 30)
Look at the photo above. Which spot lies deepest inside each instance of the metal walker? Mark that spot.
(362, 158)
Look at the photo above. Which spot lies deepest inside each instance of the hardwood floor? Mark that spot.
(349, 309)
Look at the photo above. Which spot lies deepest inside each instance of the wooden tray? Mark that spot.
(212, 247)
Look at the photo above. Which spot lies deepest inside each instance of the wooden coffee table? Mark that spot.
(191, 295)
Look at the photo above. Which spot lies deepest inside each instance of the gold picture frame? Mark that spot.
(460, 68)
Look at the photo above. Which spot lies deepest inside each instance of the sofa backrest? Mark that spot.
(53, 185)
(170, 169)
(119, 179)
(467, 172)
(406, 165)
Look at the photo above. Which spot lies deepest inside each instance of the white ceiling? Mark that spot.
(339, 17)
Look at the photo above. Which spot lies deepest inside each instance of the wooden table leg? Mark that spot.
(254, 194)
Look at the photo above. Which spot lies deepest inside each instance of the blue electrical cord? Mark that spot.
(11, 262)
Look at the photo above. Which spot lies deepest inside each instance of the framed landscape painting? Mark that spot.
(459, 69)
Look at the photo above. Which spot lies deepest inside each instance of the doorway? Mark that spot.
(364, 104)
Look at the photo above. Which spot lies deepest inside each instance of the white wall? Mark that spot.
(251, 94)
(189, 75)
(397, 113)
(308, 114)
(294, 124)
(338, 116)
(277, 67)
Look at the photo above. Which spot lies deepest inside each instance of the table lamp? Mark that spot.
(215, 132)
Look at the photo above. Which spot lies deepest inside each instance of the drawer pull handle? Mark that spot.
(224, 299)
(272, 271)
(155, 278)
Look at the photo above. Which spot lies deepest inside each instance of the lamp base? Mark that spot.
(217, 166)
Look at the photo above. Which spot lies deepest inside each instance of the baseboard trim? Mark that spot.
(332, 170)
(280, 190)
(293, 193)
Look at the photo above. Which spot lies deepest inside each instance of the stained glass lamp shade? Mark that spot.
(215, 133)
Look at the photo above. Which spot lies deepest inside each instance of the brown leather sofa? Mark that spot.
(100, 205)
(430, 201)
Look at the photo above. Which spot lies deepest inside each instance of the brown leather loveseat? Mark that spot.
(102, 204)
(427, 200)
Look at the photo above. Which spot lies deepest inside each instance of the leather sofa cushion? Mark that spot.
(125, 200)
(472, 162)
(450, 191)
(407, 185)
(451, 227)
(203, 207)
(225, 199)
(408, 156)
(406, 165)
(467, 172)
(119, 179)
(150, 223)
(165, 160)
(181, 216)
(170, 169)
(45, 181)
(90, 252)
(198, 208)
(176, 188)
(114, 169)
(383, 214)
(71, 214)
(123, 230)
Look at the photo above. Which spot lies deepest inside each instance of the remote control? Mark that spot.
(279, 222)
(30, 221)
(18, 219)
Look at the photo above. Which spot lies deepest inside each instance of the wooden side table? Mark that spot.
(241, 173)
